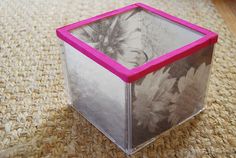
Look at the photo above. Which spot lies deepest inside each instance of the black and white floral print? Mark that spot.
(149, 108)
(191, 92)
(118, 37)
(134, 37)
(155, 95)
(166, 98)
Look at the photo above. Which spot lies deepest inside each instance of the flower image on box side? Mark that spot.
(157, 99)
(152, 99)
(191, 93)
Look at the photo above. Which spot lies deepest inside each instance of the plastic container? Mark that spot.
(136, 72)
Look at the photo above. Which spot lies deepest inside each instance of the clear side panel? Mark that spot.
(135, 37)
(64, 68)
(97, 94)
(169, 96)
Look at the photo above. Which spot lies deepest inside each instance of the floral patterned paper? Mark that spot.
(118, 37)
(135, 37)
(165, 98)
(152, 99)
(189, 98)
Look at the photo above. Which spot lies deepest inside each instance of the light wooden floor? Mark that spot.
(227, 9)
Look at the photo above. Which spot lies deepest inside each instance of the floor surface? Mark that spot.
(35, 119)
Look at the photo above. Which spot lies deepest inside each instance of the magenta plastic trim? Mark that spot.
(130, 75)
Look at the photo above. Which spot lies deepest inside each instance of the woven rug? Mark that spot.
(35, 119)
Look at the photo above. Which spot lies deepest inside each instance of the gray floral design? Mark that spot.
(191, 94)
(167, 97)
(118, 37)
(149, 107)
(134, 37)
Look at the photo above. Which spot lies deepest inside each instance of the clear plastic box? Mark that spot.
(136, 72)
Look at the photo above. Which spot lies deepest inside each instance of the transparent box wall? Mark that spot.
(97, 94)
(132, 114)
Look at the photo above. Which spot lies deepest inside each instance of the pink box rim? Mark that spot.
(130, 75)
